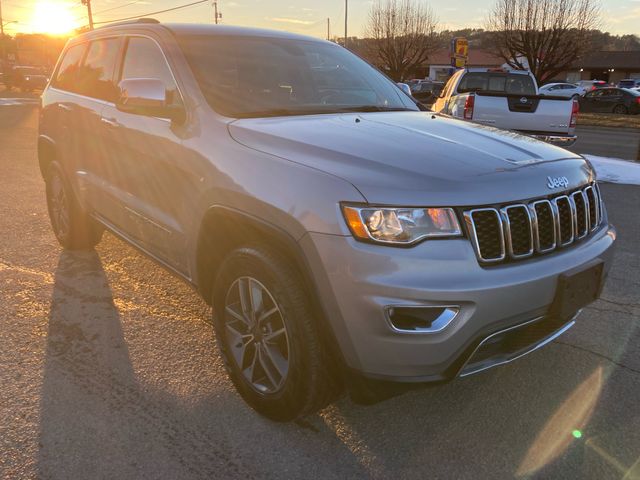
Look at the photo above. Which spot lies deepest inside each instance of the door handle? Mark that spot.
(64, 107)
(110, 121)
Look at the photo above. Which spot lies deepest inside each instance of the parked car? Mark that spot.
(340, 233)
(427, 92)
(589, 85)
(561, 90)
(26, 78)
(508, 100)
(611, 100)
(629, 83)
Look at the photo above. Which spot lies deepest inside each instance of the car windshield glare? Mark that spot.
(265, 76)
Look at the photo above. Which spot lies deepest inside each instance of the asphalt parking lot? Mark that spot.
(107, 370)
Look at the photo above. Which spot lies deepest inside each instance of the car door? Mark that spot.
(95, 88)
(591, 101)
(63, 105)
(148, 166)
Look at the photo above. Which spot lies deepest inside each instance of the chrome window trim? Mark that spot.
(120, 64)
(507, 222)
(537, 229)
(468, 216)
(93, 99)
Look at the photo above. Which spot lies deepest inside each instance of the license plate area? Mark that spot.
(576, 289)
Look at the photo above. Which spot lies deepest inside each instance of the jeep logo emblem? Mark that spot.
(557, 182)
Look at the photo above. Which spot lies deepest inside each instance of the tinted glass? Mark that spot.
(262, 76)
(96, 74)
(144, 59)
(497, 82)
(67, 71)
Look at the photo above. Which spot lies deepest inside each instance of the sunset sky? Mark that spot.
(302, 16)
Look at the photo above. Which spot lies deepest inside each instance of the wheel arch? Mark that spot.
(242, 229)
(46, 154)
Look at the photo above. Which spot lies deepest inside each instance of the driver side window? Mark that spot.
(144, 59)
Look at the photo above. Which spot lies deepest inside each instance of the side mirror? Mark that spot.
(404, 87)
(148, 97)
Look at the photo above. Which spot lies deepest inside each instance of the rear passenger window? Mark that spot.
(144, 59)
(66, 76)
(97, 72)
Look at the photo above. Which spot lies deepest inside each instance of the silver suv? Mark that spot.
(341, 235)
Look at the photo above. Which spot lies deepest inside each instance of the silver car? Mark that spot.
(341, 235)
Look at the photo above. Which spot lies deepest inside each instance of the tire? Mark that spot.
(74, 228)
(279, 365)
(620, 109)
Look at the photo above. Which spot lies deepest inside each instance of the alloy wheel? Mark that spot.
(257, 335)
(59, 205)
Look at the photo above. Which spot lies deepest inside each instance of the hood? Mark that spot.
(416, 158)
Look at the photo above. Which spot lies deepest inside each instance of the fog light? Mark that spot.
(421, 319)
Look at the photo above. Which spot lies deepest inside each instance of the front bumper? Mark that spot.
(357, 282)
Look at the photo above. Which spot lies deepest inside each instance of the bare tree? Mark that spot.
(547, 36)
(402, 33)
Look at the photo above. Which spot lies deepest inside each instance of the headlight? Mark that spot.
(27, 78)
(400, 226)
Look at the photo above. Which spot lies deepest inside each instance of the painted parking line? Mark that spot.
(18, 101)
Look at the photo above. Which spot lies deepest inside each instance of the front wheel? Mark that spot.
(74, 228)
(620, 109)
(268, 335)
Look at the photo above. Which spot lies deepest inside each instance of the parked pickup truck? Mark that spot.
(509, 100)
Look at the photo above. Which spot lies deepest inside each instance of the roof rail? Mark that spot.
(131, 22)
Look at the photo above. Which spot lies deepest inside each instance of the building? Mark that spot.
(438, 65)
(608, 66)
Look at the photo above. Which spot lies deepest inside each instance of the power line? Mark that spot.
(151, 13)
(116, 7)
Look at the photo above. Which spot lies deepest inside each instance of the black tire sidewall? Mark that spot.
(280, 280)
(55, 170)
(84, 232)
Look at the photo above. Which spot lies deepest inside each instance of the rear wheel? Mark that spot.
(268, 335)
(620, 109)
(74, 228)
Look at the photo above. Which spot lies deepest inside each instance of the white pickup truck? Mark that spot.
(509, 100)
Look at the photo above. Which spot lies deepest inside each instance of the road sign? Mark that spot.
(459, 52)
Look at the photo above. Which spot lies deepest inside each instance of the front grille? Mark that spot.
(516, 231)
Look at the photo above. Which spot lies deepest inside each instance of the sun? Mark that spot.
(53, 17)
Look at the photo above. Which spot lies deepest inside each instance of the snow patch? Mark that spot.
(615, 170)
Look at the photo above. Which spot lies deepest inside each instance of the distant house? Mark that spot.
(438, 65)
(608, 66)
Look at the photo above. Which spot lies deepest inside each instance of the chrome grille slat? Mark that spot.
(520, 230)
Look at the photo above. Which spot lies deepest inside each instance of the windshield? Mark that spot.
(517, 84)
(263, 76)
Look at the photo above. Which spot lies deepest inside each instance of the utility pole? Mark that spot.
(328, 28)
(4, 52)
(216, 15)
(346, 10)
(89, 14)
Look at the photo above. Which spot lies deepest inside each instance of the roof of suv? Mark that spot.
(205, 29)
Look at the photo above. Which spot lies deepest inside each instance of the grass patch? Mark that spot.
(608, 120)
